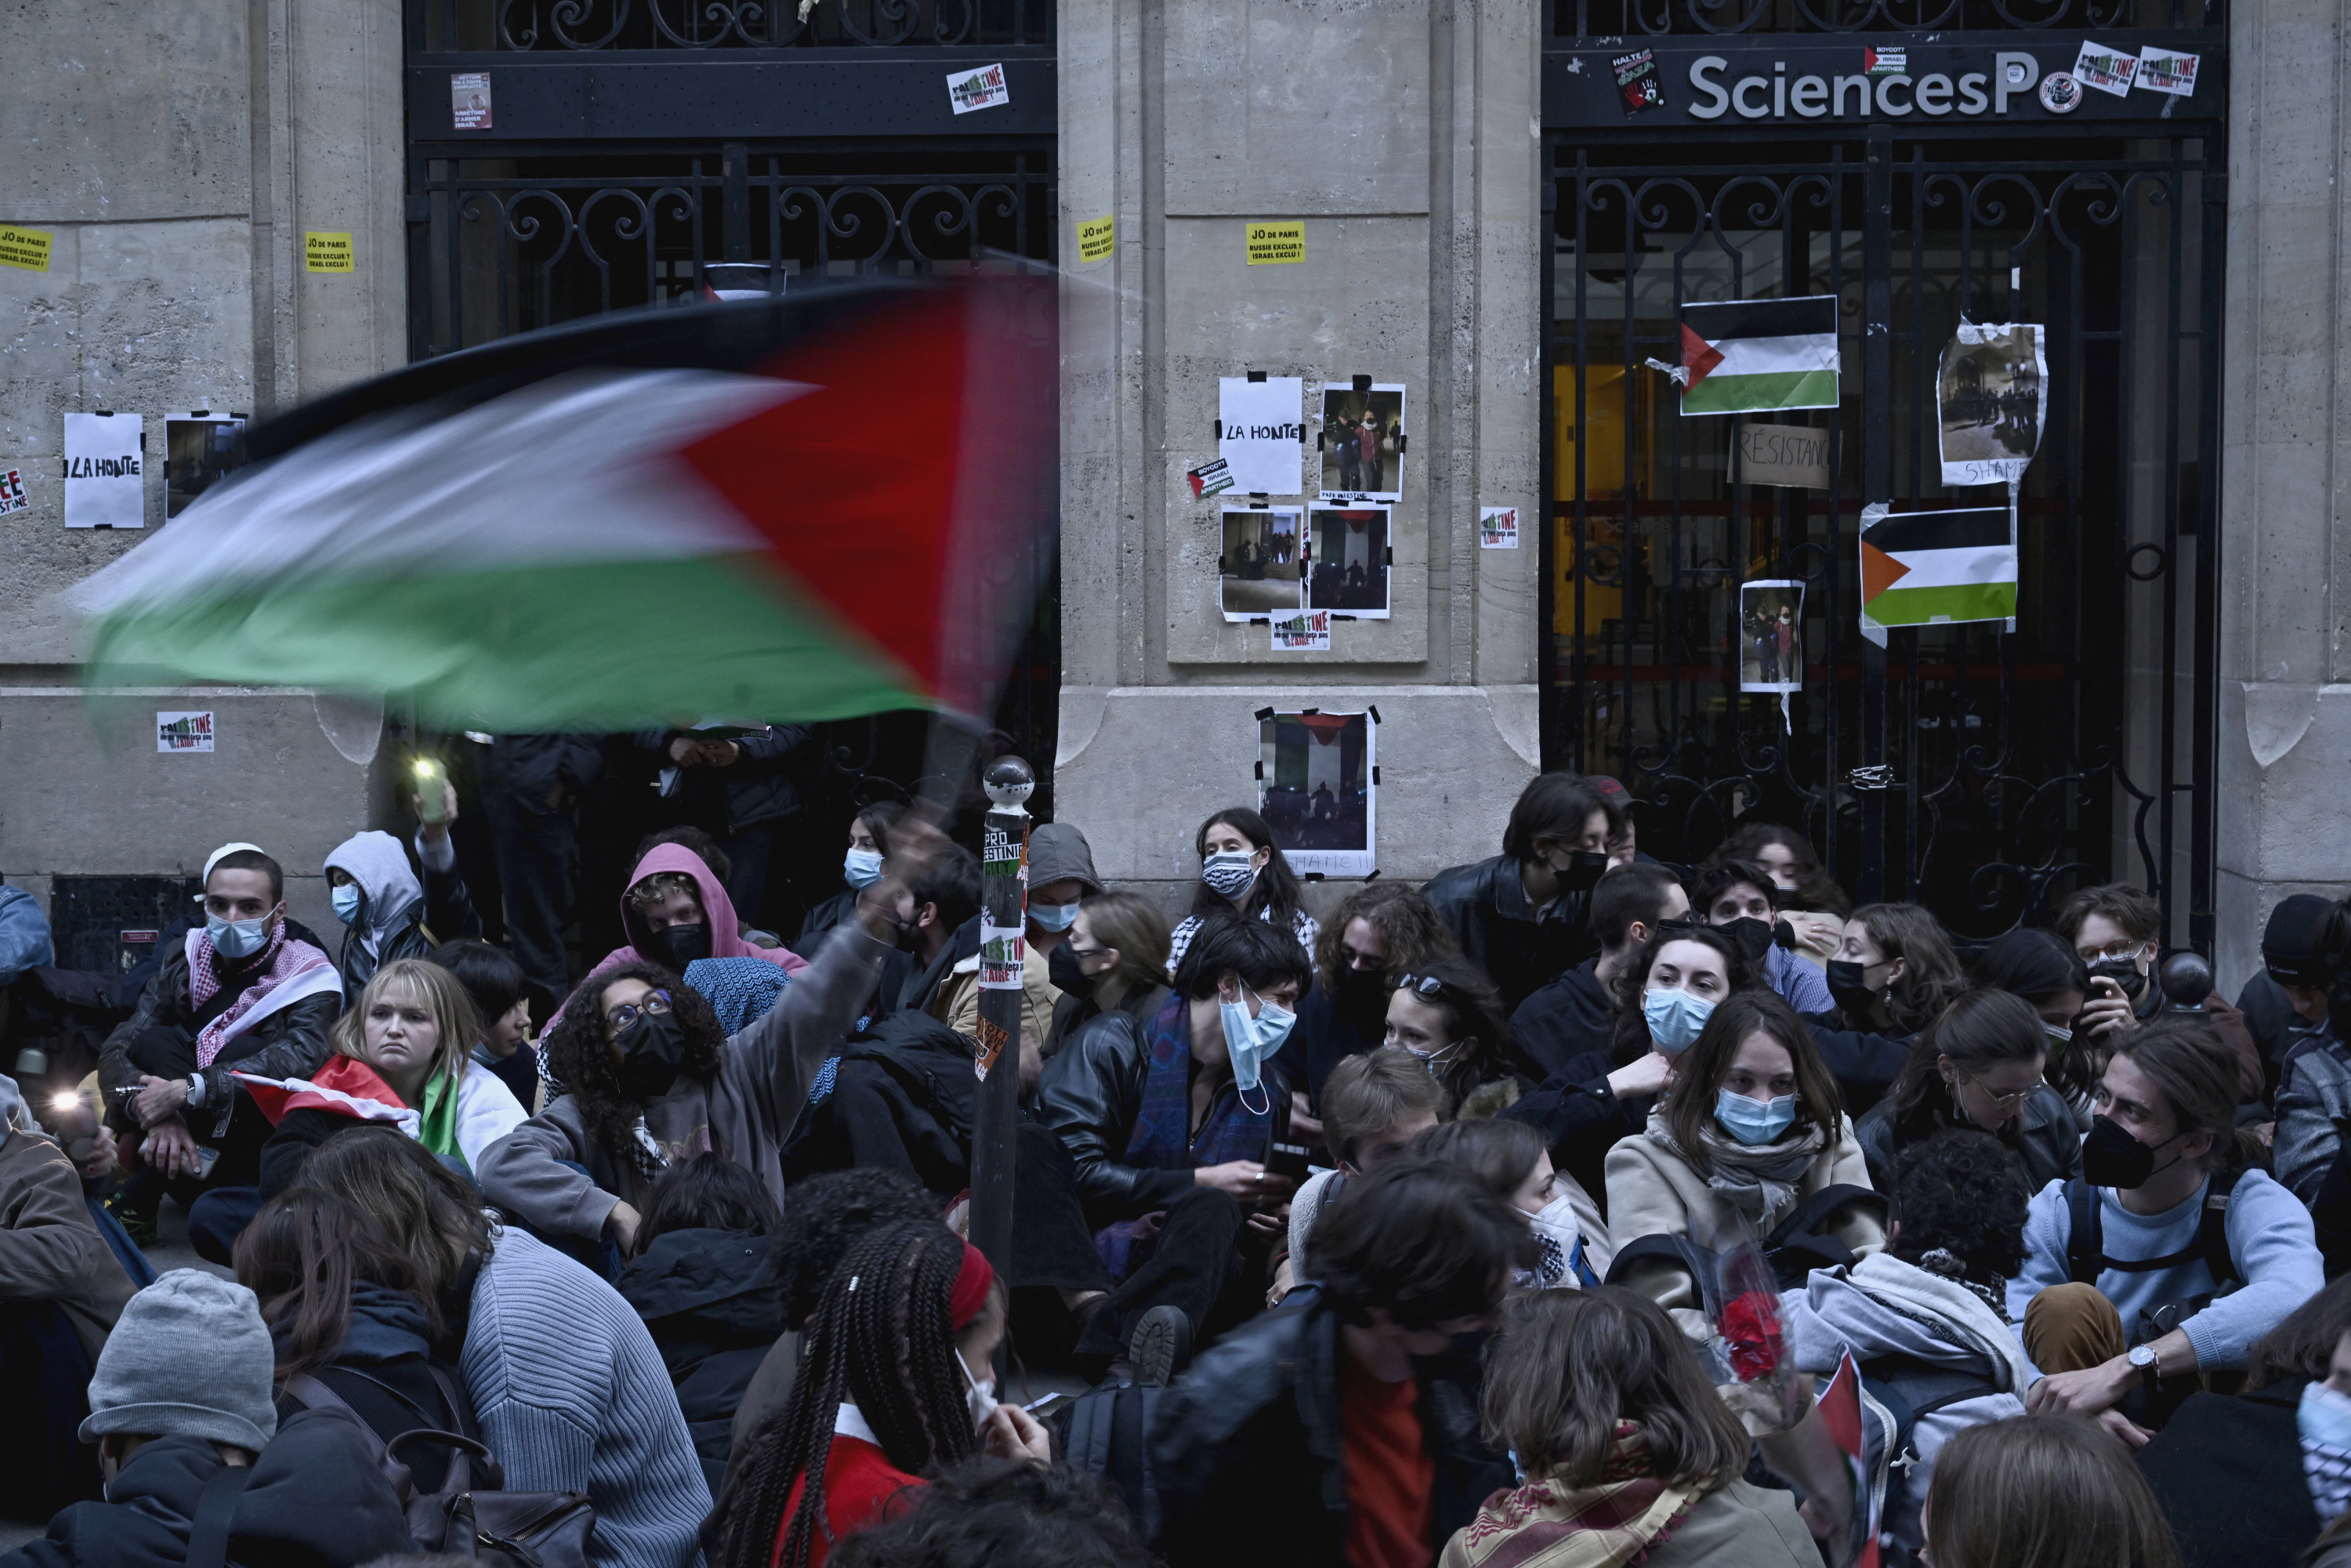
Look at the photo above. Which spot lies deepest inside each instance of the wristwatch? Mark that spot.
(2150, 1368)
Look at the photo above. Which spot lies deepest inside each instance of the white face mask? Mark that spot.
(980, 1397)
(1558, 1233)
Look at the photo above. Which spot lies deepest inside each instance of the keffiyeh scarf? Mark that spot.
(1546, 1523)
(282, 960)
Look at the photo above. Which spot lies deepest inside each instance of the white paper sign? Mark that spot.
(2105, 68)
(1307, 631)
(178, 732)
(1263, 433)
(1498, 527)
(12, 491)
(982, 89)
(104, 468)
(2166, 71)
(470, 101)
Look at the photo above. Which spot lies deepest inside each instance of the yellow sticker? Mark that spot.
(1277, 242)
(28, 248)
(326, 251)
(1095, 239)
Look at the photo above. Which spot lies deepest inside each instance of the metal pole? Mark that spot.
(1003, 952)
(1877, 473)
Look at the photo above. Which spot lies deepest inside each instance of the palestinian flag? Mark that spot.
(344, 1086)
(1749, 356)
(1921, 568)
(787, 509)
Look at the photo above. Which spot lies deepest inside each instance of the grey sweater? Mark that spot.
(573, 1396)
(744, 1110)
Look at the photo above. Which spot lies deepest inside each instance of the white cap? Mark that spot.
(215, 858)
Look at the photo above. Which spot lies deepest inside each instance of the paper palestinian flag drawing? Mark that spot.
(1919, 569)
(1752, 356)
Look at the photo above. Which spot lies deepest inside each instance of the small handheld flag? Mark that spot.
(1922, 569)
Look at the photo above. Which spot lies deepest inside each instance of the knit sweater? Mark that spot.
(2268, 1240)
(573, 1396)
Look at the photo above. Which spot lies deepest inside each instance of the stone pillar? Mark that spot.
(2285, 663)
(1405, 136)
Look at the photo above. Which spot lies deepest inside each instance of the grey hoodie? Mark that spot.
(1884, 1306)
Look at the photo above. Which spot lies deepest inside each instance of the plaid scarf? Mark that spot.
(1618, 1519)
(282, 959)
(1162, 1138)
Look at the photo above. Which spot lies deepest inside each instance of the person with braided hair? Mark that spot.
(890, 1389)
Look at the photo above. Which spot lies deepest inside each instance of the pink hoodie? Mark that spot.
(726, 940)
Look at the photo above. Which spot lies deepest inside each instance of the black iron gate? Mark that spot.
(567, 158)
(1984, 768)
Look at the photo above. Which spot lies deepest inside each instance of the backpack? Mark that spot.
(489, 1524)
(1108, 1433)
(1911, 1390)
(2085, 1257)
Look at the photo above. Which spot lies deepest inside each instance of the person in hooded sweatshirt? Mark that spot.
(386, 912)
(652, 1080)
(1926, 1318)
(181, 1413)
(704, 1283)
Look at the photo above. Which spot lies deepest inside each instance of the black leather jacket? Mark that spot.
(1247, 1452)
(1090, 1095)
(2042, 1137)
(1485, 907)
(289, 1043)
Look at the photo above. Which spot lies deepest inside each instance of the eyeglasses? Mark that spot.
(2126, 950)
(653, 1004)
(2005, 1102)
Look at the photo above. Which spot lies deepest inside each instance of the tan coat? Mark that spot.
(50, 1249)
(1655, 1191)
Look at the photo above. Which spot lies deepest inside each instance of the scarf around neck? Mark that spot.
(1756, 1181)
(282, 959)
(1546, 1523)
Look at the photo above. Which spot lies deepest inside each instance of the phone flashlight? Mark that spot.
(431, 810)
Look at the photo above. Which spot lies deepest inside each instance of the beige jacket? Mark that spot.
(1655, 1191)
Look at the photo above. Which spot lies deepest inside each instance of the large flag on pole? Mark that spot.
(1921, 569)
(1751, 356)
(778, 509)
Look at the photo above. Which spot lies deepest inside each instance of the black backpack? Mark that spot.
(2085, 1257)
(1911, 1390)
(1108, 1432)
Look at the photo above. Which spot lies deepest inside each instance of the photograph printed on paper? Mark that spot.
(1362, 443)
(1315, 790)
(1347, 561)
(1257, 570)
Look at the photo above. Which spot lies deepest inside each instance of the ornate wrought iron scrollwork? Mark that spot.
(1660, 18)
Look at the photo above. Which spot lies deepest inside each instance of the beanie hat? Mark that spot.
(189, 1357)
(2303, 944)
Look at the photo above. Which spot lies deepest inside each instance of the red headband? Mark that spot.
(972, 1283)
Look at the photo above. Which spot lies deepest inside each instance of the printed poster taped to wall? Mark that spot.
(1260, 432)
(1991, 393)
(105, 469)
(12, 491)
(26, 249)
(1273, 242)
(1317, 777)
(200, 449)
(470, 101)
(1346, 566)
(1498, 527)
(1258, 561)
(1363, 441)
(1307, 631)
(1097, 237)
(324, 252)
(183, 732)
(1771, 635)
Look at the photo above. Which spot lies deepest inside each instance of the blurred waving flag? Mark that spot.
(784, 510)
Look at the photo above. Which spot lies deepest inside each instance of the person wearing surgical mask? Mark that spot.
(1060, 874)
(2134, 1281)
(1751, 1128)
(248, 989)
(1449, 1016)
(651, 1078)
(897, 1379)
(389, 911)
(1173, 1122)
(860, 868)
(1243, 873)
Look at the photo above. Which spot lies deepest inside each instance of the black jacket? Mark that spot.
(901, 1096)
(1485, 907)
(160, 1037)
(1863, 1063)
(713, 1307)
(1566, 1018)
(444, 913)
(2042, 1137)
(1092, 1093)
(1072, 1014)
(1323, 1038)
(316, 1499)
(1247, 1447)
(1581, 1117)
(2227, 1469)
(544, 773)
(758, 787)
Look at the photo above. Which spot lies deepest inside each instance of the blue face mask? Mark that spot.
(1676, 1019)
(2324, 1417)
(861, 868)
(1754, 1122)
(1250, 1040)
(1053, 917)
(346, 900)
(236, 938)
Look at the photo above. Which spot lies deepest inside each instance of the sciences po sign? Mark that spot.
(1793, 81)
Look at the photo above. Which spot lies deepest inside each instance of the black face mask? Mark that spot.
(1584, 871)
(652, 1052)
(678, 945)
(1852, 992)
(1062, 968)
(2112, 1157)
(2124, 972)
(1753, 936)
(1362, 998)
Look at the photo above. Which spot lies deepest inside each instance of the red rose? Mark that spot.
(1750, 1327)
